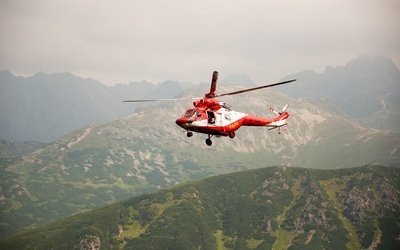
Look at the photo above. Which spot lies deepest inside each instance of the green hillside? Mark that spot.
(15, 149)
(275, 207)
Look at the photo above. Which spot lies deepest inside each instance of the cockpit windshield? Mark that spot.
(189, 113)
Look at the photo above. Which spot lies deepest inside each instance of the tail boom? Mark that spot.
(257, 121)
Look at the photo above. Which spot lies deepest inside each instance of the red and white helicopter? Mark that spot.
(214, 118)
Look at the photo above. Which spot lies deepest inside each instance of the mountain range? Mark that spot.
(268, 208)
(45, 107)
(109, 161)
(366, 90)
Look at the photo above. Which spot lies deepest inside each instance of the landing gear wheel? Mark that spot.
(208, 142)
(232, 135)
(189, 134)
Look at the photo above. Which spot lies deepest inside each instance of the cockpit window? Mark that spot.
(189, 113)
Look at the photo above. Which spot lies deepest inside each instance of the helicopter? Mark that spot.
(215, 118)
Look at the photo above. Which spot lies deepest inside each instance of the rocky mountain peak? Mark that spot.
(369, 62)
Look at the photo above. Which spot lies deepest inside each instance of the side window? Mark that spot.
(211, 117)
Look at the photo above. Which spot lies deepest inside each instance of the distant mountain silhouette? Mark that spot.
(45, 107)
(367, 89)
(239, 79)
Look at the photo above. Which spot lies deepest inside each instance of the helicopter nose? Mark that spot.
(184, 122)
(181, 122)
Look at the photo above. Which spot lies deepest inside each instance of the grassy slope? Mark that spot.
(272, 207)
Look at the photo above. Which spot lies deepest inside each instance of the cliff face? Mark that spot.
(275, 207)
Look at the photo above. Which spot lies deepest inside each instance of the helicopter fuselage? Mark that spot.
(217, 118)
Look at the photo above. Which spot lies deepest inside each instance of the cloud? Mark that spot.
(186, 40)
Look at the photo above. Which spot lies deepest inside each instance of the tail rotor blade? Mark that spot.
(284, 108)
(274, 111)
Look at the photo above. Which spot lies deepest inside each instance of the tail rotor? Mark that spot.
(281, 119)
(279, 113)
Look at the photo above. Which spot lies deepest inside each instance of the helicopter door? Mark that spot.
(211, 117)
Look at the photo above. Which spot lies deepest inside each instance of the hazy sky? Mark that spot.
(123, 41)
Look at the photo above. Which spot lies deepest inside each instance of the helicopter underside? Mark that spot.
(211, 130)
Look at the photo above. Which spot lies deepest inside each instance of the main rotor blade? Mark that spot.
(256, 88)
(213, 86)
(161, 100)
